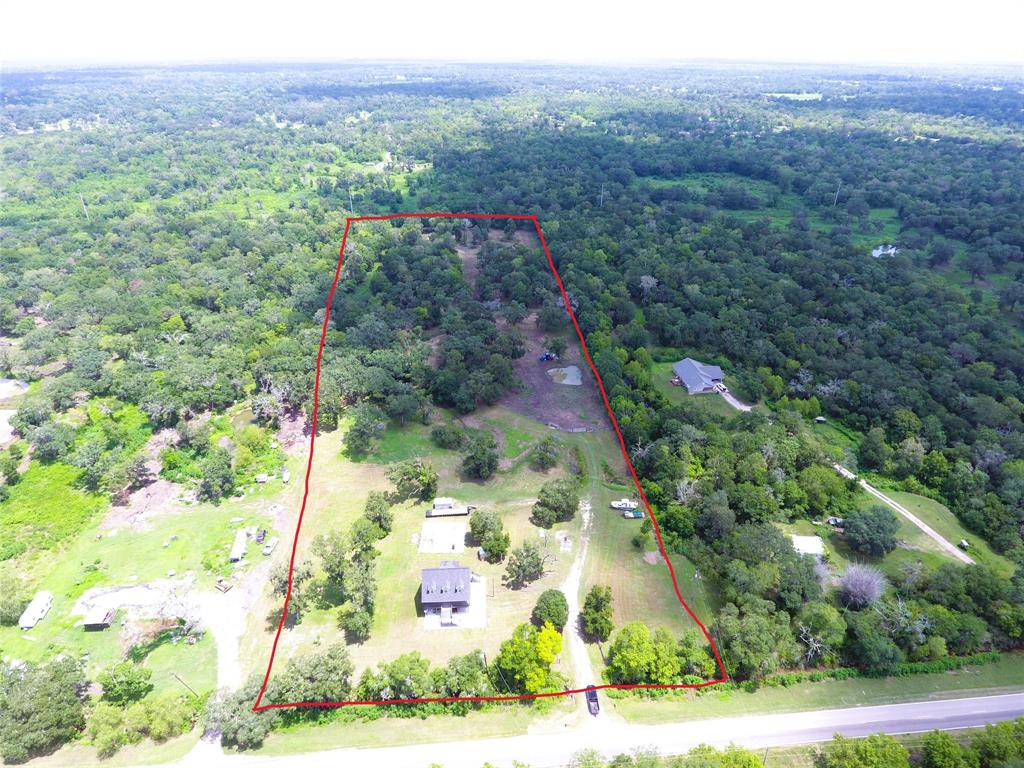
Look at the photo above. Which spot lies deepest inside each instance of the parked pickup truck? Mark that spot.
(636, 514)
(593, 705)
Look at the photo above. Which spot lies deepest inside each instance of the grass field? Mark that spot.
(1004, 676)
(503, 721)
(45, 508)
(339, 490)
(945, 523)
(882, 225)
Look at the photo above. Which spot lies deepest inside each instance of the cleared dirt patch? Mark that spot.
(568, 408)
(138, 509)
(292, 430)
(470, 256)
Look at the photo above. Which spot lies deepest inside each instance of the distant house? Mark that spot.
(445, 506)
(98, 618)
(698, 377)
(36, 610)
(809, 545)
(445, 590)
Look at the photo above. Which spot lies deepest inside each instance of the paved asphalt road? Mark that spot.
(556, 749)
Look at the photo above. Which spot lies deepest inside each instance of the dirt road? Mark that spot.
(928, 530)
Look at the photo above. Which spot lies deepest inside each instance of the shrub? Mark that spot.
(861, 585)
(448, 436)
(545, 454)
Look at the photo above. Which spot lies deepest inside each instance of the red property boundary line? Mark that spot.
(259, 706)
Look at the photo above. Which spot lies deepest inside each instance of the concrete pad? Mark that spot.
(440, 536)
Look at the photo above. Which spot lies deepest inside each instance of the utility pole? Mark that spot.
(600, 200)
(177, 677)
(351, 205)
(836, 200)
(84, 207)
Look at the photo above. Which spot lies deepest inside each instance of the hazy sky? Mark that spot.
(876, 31)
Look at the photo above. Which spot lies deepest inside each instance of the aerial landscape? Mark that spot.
(448, 409)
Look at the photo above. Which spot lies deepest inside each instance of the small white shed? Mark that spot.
(238, 548)
(36, 610)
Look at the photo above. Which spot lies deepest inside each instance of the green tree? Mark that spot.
(40, 708)
(637, 655)
(545, 454)
(940, 750)
(230, 713)
(13, 597)
(481, 459)
(557, 502)
(486, 528)
(413, 479)
(821, 629)
(217, 478)
(525, 564)
(125, 683)
(448, 436)
(872, 530)
(551, 608)
(878, 751)
(524, 661)
(757, 639)
(873, 452)
(368, 425)
(320, 675)
(596, 615)
(378, 510)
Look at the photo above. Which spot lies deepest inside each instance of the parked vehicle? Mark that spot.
(593, 705)
(271, 545)
(634, 515)
(625, 504)
(546, 356)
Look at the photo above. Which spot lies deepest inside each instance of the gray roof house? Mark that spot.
(698, 377)
(446, 586)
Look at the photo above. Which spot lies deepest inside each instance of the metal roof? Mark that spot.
(446, 584)
(697, 376)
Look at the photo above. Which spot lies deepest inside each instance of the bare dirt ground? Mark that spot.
(292, 431)
(435, 342)
(653, 558)
(470, 262)
(525, 237)
(161, 496)
(567, 407)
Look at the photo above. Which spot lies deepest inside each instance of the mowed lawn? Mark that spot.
(661, 375)
(641, 590)
(338, 491)
(945, 523)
